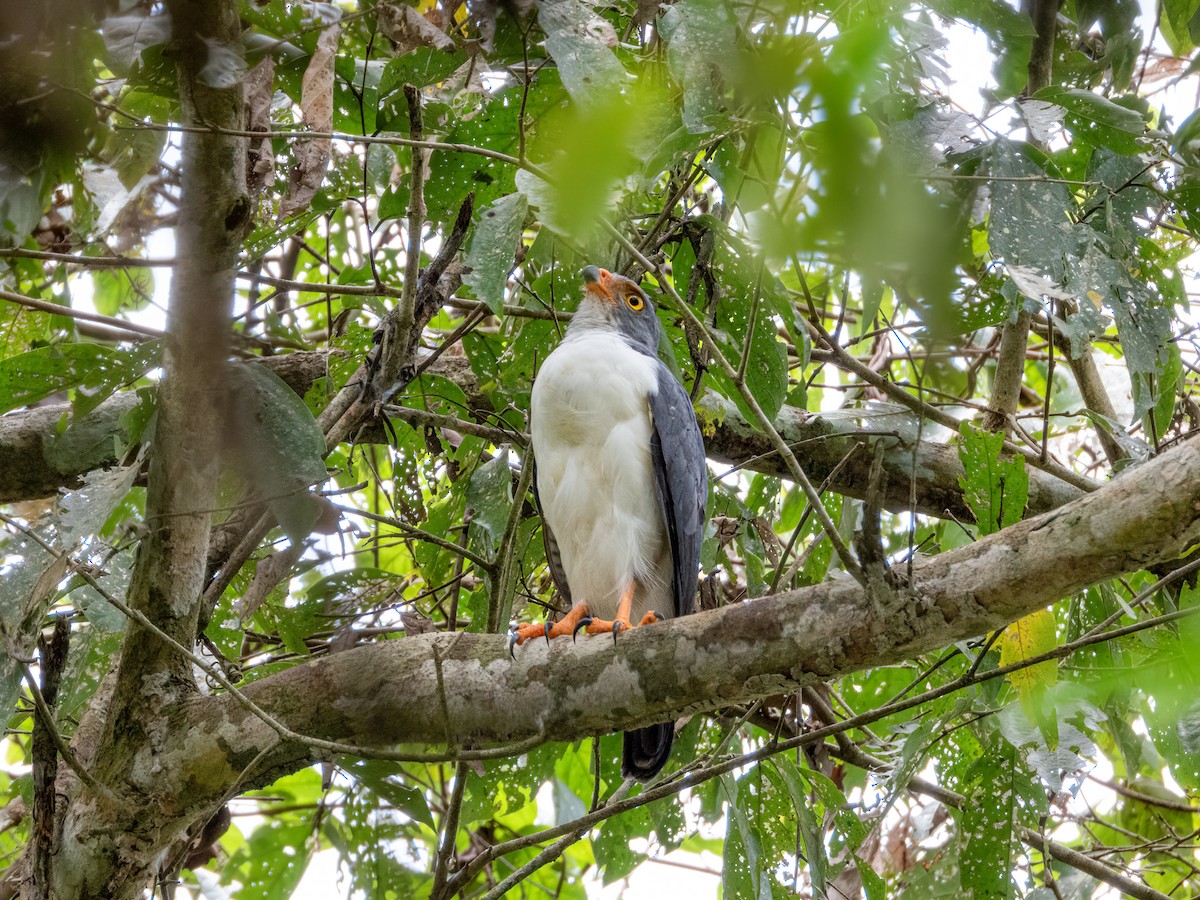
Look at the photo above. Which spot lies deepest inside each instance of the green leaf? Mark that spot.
(489, 497)
(393, 203)
(701, 40)
(1175, 24)
(83, 511)
(278, 446)
(612, 843)
(496, 126)
(507, 786)
(29, 377)
(996, 489)
(270, 232)
(987, 837)
(1165, 390)
(1031, 636)
(567, 805)
(1142, 318)
(1098, 120)
(835, 804)
(420, 66)
(89, 660)
(20, 206)
(32, 577)
(114, 581)
(811, 834)
(581, 43)
(743, 874)
(588, 153)
(118, 290)
(380, 777)
(493, 250)
(740, 278)
(273, 860)
(1030, 219)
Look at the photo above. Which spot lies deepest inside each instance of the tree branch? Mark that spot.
(37, 457)
(748, 650)
(388, 695)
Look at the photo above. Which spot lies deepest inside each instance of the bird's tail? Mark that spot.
(646, 751)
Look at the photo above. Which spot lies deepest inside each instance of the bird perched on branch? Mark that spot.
(620, 481)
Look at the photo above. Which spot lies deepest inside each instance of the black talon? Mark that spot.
(546, 632)
(582, 623)
(616, 629)
(512, 642)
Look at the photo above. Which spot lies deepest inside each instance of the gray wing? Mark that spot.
(680, 477)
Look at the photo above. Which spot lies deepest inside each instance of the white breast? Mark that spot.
(591, 440)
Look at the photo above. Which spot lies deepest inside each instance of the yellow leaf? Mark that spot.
(1024, 639)
(1096, 298)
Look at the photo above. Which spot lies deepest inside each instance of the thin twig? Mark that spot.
(505, 561)
(83, 315)
(449, 831)
(412, 531)
(60, 745)
(844, 360)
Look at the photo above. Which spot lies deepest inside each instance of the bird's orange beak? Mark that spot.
(597, 282)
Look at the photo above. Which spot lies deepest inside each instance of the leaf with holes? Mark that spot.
(996, 489)
(277, 446)
(1098, 120)
(493, 249)
(93, 370)
(987, 838)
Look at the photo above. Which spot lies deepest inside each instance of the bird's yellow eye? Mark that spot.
(634, 302)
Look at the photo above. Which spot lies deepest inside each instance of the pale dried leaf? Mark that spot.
(415, 623)
(1035, 285)
(408, 29)
(1044, 119)
(267, 574)
(316, 89)
(466, 79)
(316, 104)
(260, 161)
(602, 32)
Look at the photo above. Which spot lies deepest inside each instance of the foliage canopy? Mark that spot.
(942, 320)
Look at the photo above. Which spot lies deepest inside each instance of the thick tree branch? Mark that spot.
(740, 652)
(388, 694)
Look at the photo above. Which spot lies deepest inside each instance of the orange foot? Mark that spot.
(580, 619)
(568, 624)
(621, 622)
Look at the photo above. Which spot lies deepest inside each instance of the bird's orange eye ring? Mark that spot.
(634, 302)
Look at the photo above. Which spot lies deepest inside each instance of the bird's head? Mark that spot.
(614, 302)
